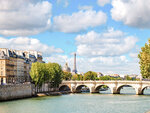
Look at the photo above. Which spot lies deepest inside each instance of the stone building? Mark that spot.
(115, 75)
(15, 65)
(66, 68)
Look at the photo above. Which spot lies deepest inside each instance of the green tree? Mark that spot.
(55, 72)
(144, 57)
(50, 72)
(74, 77)
(127, 77)
(77, 77)
(90, 75)
(105, 77)
(80, 76)
(67, 76)
(38, 73)
(109, 78)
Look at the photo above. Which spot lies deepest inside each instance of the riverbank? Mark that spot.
(37, 95)
(22, 91)
(56, 93)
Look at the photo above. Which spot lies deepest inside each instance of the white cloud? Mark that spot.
(85, 7)
(24, 17)
(25, 43)
(118, 64)
(103, 2)
(132, 12)
(110, 43)
(133, 55)
(109, 61)
(79, 21)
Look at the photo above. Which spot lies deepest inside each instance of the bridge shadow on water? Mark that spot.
(146, 91)
(103, 89)
(82, 89)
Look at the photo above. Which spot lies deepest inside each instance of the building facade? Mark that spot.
(15, 65)
(66, 68)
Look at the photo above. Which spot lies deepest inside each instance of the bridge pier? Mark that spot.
(114, 90)
(92, 89)
(73, 90)
(139, 91)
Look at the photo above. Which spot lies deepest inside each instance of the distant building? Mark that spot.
(139, 77)
(115, 75)
(66, 68)
(99, 74)
(15, 65)
(133, 76)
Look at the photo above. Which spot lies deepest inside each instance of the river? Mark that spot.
(81, 103)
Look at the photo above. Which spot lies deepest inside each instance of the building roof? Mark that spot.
(26, 55)
(3, 55)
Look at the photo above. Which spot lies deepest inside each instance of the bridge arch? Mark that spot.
(125, 85)
(78, 88)
(97, 88)
(64, 88)
(144, 88)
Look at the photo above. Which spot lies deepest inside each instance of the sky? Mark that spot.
(107, 35)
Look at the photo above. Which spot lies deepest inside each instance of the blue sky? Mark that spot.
(106, 34)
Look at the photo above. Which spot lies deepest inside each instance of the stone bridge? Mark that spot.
(94, 86)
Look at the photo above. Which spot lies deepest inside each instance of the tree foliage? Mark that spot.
(74, 77)
(77, 77)
(67, 76)
(105, 77)
(38, 73)
(56, 73)
(109, 78)
(46, 72)
(144, 57)
(90, 75)
(127, 77)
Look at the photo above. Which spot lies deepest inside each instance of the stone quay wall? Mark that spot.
(44, 88)
(15, 91)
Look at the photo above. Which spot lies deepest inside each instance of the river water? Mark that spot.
(81, 103)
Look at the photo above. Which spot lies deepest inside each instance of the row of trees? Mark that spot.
(46, 72)
(90, 75)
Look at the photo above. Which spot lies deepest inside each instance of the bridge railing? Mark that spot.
(105, 81)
